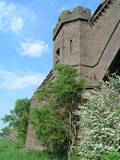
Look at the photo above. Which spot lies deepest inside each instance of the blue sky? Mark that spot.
(26, 47)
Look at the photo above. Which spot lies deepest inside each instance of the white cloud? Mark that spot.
(33, 48)
(13, 80)
(12, 17)
(17, 24)
(10, 20)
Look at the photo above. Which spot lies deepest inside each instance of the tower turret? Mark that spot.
(67, 35)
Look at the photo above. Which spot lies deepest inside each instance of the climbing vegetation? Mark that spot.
(54, 119)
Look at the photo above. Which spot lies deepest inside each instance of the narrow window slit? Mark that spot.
(70, 46)
(58, 55)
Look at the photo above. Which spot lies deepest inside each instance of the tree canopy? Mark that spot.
(54, 120)
(18, 119)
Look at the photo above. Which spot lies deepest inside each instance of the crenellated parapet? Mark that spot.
(78, 13)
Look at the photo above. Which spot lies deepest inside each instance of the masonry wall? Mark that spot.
(32, 142)
(68, 40)
(102, 35)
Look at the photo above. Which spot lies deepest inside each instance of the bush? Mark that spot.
(5, 131)
(100, 121)
(50, 129)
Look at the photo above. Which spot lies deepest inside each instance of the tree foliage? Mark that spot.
(54, 118)
(18, 118)
(100, 121)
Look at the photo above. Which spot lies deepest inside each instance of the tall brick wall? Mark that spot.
(89, 43)
(31, 141)
(103, 38)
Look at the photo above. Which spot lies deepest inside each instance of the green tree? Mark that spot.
(54, 119)
(18, 118)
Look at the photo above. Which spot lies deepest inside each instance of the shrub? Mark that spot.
(49, 128)
(100, 121)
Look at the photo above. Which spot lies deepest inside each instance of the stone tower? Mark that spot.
(68, 36)
(89, 43)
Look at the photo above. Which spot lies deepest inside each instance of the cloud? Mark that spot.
(12, 17)
(13, 80)
(17, 24)
(33, 48)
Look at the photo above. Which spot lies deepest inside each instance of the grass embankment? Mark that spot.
(10, 150)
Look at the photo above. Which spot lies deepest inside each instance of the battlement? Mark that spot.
(68, 16)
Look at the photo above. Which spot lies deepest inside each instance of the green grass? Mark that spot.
(111, 156)
(9, 150)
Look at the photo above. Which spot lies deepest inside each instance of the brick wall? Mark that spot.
(103, 35)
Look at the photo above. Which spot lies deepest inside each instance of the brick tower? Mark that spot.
(68, 36)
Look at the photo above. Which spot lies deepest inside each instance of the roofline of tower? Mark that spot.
(63, 23)
(78, 13)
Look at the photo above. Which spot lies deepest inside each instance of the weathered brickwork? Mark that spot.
(31, 138)
(88, 43)
(103, 42)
